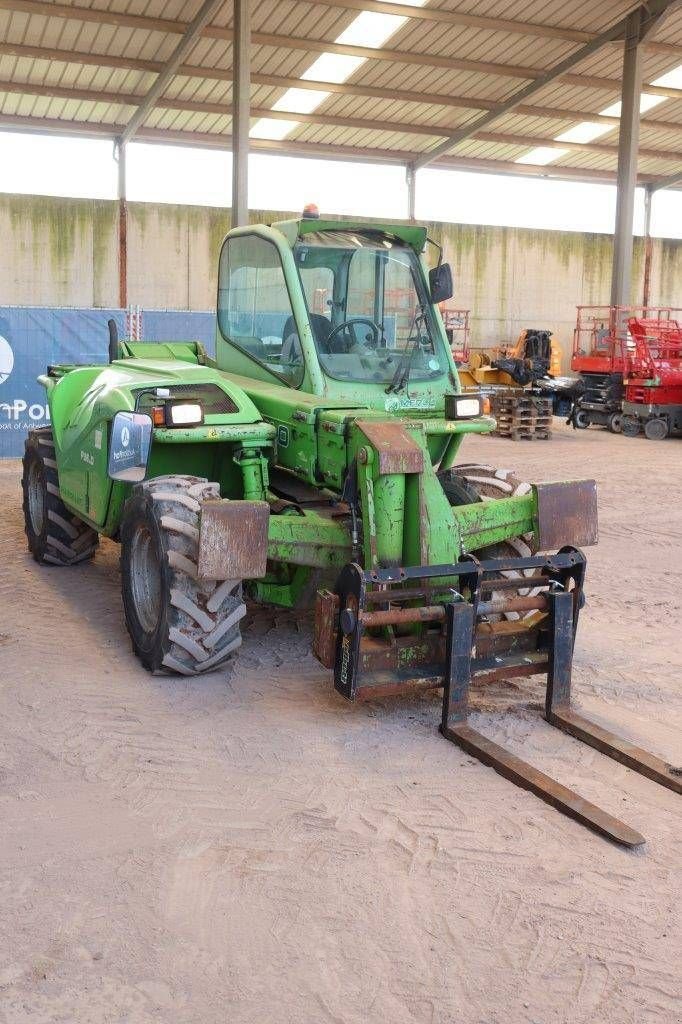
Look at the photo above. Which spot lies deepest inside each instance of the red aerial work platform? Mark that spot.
(603, 346)
(652, 397)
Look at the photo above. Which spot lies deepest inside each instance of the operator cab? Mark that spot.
(316, 303)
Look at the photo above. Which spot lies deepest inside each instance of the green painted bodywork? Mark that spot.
(312, 434)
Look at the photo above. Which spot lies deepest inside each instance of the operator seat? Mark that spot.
(321, 328)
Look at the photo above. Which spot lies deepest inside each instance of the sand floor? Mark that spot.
(247, 848)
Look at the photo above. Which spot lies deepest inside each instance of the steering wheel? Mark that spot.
(370, 343)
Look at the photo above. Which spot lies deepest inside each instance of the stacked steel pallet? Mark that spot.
(522, 416)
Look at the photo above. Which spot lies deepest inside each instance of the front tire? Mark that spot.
(178, 623)
(581, 420)
(55, 535)
(615, 423)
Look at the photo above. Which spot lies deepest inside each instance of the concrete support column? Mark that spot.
(628, 145)
(411, 180)
(241, 104)
(120, 153)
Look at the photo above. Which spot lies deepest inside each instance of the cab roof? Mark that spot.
(413, 235)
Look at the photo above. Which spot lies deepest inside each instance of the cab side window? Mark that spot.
(254, 308)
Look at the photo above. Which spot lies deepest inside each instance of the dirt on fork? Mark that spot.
(248, 848)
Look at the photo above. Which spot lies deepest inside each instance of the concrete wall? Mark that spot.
(57, 252)
(513, 278)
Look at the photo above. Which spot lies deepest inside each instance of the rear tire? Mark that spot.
(55, 535)
(581, 420)
(615, 423)
(472, 482)
(483, 483)
(178, 623)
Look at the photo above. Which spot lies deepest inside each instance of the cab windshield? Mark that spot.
(369, 310)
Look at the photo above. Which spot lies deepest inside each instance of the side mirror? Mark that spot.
(130, 439)
(440, 283)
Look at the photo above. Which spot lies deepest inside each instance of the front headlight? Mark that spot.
(462, 407)
(183, 414)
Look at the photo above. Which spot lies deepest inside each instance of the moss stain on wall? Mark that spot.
(597, 257)
(162, 217)
(670, 288)
(139, 213)
(477, 243)
(104, 248)
(503, 281)
(57, 233)
(55, 227)
(218, 224)
(637, 277)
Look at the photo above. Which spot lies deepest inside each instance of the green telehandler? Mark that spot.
(315, 460)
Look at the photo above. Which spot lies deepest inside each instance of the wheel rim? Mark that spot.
(145, 579)
(36, 497)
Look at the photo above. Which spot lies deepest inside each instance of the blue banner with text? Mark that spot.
(34, 337)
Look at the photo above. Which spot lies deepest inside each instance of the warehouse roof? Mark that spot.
(398, 89)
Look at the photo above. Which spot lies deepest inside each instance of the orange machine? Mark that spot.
(535, 355)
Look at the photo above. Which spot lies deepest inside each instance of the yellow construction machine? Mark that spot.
(535, 355)
(512, 376)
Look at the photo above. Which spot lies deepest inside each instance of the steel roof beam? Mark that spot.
(170, 67)
(395, 56)
(433, 14)
(309, 45)
(505, 138)
(364, 154)
(524, 28)
(291, 42)
(657, 184)
(611, 85)
(651, 11)
(448, 17)
(333, 120)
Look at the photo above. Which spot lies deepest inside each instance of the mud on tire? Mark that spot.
(55, 535)
(177, 622)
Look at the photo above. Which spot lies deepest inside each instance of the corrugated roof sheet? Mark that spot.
(86, 65)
